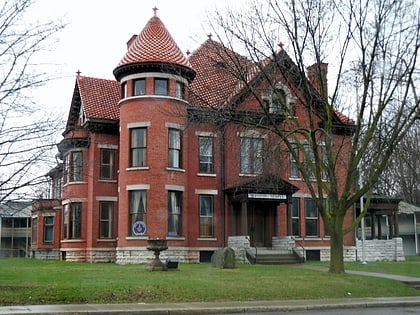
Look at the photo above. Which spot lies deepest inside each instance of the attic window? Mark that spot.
(279, 100)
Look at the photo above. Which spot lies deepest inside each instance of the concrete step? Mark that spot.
(277, 259)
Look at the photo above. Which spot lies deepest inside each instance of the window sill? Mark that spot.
(73, 241)
(173, 169)
(106, 240)
(137, 238)
(248, 175)
(74, 183)
(175, 238)
(137, 168)
(112, 181)
(206, 174)
(202, 238)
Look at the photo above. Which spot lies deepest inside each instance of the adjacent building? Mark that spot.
(149, 155)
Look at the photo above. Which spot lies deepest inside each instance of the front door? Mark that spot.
(261, 223)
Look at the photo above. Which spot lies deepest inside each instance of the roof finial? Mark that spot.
(209, 36)
(78, 72)
(155, 10)
(281, 45)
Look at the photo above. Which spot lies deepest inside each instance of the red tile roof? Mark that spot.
(214, 83)
(99, 97)
(154, 44)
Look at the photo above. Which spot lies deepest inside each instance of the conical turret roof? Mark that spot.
(153, 45)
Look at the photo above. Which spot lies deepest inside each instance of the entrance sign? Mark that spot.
(139, 228)
(267, 196)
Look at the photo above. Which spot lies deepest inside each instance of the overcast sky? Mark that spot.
(94, 40)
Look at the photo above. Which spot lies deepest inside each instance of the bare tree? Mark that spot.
(26, 133)
(372, 47)
(402, 175)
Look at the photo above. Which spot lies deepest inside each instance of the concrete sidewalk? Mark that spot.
(212, 308)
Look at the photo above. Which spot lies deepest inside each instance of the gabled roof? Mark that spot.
(154, 45)
(98, 99)
(214, 83)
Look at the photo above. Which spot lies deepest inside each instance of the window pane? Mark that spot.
(206, 216)
(179, 90)
(175, 148)
(76, 221)
(295, 217)
(206, 154)
(138, 146)
(48, 229)
(106, 209)
(174, 213)
(139, 87)
(251, 155)
(77, 166)
(107, 163)
(311, 214)
(138, 210)
(161, 87)
(34, 231)
(294, 170)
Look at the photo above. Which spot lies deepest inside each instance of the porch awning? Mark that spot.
(265, 187)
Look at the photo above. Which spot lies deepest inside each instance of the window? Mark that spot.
(311, 218)
(294, 169)
(138, 146)
(161, 87)
(308, 160)
(124, 90)
(278, 102)
(206, 216)
(175, 156)
(251, 155)
(174, 213)
(138, 206)
(106, 224)
(34, 237)
(295, 217)
(48, 229)
(206, 154)
(179, 89)
(73, 166)
(72, 221)
(139, 87)
(107, 164)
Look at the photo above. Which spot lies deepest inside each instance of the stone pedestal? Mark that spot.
(157, 245)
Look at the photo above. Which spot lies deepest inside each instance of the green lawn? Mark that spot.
(28, 281)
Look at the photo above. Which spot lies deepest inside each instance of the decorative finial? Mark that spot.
(188, 52)
(155, 10)
(209, 36)
(281, 45)
(78, 72)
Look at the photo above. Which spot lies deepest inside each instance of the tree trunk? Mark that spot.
(336, 241)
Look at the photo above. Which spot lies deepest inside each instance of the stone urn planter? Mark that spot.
(157, 245)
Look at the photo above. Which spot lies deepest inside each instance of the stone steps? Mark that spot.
(277, 259)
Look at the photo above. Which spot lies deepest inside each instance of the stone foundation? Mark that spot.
(46, 254)
(141, 255)
(381, 250)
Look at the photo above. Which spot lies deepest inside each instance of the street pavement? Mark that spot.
(225, 307)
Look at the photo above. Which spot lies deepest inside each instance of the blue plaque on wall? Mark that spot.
(139, 228)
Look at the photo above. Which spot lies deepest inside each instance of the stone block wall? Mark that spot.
(381, 250)
(283, 244)
(239, 244)
(46, 253)
(141, 255)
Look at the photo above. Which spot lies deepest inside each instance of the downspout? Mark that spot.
(415, 233)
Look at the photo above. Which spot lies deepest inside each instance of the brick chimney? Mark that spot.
(317, 75)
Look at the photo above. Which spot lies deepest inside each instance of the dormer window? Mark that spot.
(279, 100)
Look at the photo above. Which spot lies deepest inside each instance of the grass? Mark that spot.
(27, 281)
